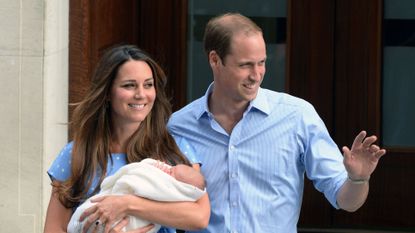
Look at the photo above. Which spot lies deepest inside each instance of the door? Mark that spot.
(334, 60)
(157, 26)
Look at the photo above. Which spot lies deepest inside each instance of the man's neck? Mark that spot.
(226, 113)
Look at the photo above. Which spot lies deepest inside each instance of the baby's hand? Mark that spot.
(163, 166)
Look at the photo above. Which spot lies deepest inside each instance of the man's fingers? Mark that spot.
(358, 139)
(380, 153)
(346, 152)
(374, 148)
(368, 141)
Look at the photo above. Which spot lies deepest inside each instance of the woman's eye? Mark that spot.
(148, 85)
(129, 85)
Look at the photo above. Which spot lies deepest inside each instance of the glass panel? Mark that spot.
(399, 74)
(270, 15)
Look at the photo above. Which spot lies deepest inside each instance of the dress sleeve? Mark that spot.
(187, 149)
(167, 230)
(60, 169)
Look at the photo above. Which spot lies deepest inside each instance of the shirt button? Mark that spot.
(232, 147)
(233, 175)
(234, 204)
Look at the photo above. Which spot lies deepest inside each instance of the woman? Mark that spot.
(121, 120)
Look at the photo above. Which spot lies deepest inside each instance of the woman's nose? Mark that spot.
(139, 93)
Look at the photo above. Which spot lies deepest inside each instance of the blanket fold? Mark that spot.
(142, 179)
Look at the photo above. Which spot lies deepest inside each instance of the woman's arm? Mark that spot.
(182, 215)
(57, 216)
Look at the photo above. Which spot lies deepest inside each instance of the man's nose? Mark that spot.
(257, 72)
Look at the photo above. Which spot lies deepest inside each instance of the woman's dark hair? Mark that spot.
(91, 127)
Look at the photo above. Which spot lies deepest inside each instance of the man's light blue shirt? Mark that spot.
(255, 175)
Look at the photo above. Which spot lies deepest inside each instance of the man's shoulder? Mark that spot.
(191, 108)
(285, 99)
(186, 116)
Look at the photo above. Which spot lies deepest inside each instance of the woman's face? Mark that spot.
(132, 94)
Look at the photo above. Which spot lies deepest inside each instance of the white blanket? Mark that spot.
(144, 180)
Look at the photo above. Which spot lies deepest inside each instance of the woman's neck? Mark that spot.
(120, 137)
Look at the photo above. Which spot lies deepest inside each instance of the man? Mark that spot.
(255, 144)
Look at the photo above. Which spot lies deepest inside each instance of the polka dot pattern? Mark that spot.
(61, 168)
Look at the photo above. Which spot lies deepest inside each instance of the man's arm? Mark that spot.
(352, 195)
(360, 162)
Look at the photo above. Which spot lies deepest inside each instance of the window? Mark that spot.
(270, 15)
(399, 74)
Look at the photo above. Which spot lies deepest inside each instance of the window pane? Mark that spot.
(270, 15)
(399, 74)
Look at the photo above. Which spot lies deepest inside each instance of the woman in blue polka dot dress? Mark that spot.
(121, 120)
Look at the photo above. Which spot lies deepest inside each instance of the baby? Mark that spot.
(183, 173)
(150, 179)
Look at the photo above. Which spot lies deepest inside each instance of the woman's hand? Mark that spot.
(118, 228)
(107, 211)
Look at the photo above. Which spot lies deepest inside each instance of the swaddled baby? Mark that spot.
(150, 179)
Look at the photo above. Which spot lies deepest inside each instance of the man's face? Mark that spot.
(239, 75)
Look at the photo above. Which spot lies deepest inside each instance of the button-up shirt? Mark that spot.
(255, 174)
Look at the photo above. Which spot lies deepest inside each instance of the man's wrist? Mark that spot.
(358, 181)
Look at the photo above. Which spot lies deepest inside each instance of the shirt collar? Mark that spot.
(260, 103)
(203, 106)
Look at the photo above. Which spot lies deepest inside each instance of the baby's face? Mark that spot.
(163, 166)
(178, 170)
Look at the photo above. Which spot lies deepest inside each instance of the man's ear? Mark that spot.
(214, 58)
